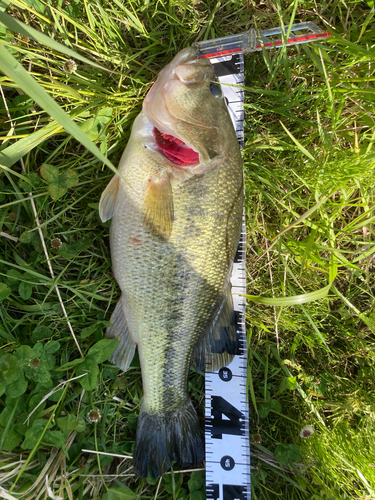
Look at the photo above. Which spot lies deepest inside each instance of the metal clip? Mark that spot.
(251, 41)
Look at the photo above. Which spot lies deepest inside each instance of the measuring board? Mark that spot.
(227, 415)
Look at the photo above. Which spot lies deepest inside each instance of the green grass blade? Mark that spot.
(368, 321)
(304, 216)
(292, 300)
(13, 69)
(23, 29)
(31, 9)
(20, 176)
(308, 248)
(315, 328)
(298, 144)
(13, 153)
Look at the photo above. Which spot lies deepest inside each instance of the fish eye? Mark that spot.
(216, 90)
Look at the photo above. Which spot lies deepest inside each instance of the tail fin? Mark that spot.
(163, 438)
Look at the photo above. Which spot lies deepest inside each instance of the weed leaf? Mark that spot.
(70, 251)
(54, 438)
(33, 434)
(4, 291)
(123, 493)
(50, 173)
(51, 347)
(197, 495)
(102, 350)
(91, 371)
(71, 423)
(11, 440)
(40, 333)
(196, 481)
(93, 127)
(25, 290)
(267, 406)
(24, 353)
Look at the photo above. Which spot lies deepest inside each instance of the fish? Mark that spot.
(176, 207)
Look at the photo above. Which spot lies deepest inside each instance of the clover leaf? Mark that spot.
(8, 368)
(58, 184)
(71, 423)
(91, 371)
(93, 127)
(267, 406)
(69, 251)
(286, 452)
(18, 386)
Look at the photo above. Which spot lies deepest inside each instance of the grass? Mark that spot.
(309, 170)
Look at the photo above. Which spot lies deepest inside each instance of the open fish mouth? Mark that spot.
(175, 149)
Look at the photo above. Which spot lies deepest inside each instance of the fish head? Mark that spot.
(188, 111)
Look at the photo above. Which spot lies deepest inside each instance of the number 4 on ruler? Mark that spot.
(234, 424)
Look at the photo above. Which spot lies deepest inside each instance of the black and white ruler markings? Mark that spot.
(227, 416)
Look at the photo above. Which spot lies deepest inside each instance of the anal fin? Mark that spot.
(218, 345)
(123, 355)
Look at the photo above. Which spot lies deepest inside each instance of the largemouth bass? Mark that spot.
(176, 211)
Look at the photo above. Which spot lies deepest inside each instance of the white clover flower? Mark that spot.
(70, 66)
(56, 243)
(306, 431)
(93, 415)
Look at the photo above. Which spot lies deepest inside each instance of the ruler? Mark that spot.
(226, 410)
(227, 416)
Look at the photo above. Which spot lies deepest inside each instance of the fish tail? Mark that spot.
(163, 438)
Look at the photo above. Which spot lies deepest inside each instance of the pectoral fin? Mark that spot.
(108, 199)
(158, 206)
(123, 355)
(219, 344)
